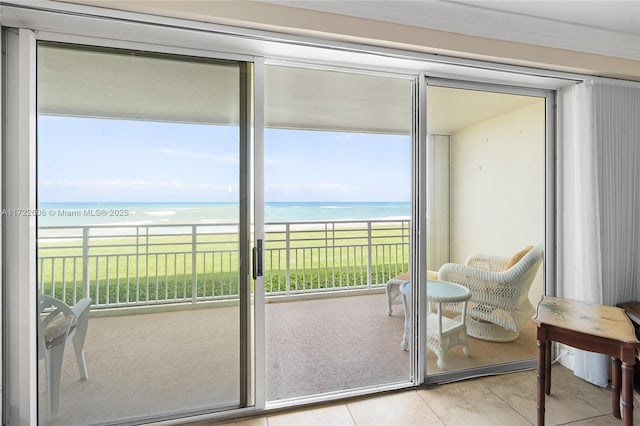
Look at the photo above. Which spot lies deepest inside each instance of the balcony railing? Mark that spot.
(122, 266)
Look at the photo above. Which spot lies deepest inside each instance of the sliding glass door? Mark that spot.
(486, 226)
(143, 230)
(338, 223)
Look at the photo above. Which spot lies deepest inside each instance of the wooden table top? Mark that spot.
(584, 317)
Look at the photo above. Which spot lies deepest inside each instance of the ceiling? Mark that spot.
(138, 87)
(302, 98)
(450, 110)
(605, 27)
(621, 16)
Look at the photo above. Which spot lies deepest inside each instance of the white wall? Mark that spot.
(498, 186)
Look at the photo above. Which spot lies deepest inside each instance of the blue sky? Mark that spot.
(100, 160)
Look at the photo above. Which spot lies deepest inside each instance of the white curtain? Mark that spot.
(599, 201)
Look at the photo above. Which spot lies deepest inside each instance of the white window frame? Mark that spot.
(20, 351)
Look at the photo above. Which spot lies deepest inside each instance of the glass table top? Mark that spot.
(441, 291)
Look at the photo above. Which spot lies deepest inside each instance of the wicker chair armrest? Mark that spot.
(486, 262)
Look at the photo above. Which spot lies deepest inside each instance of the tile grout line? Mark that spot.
(507, 404)
(353, 419)
(580, 421)
(430, 407)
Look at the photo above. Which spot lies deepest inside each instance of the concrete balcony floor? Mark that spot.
(179, 361)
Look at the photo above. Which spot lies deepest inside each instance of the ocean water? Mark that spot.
(81, 214)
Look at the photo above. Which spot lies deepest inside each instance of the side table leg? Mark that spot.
(547, 368)
(388, 291)
(540, 374)
(616, 377)
(627, 394)
(404, 345)
(407, 318)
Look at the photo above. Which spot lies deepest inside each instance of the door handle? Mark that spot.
(257, 260)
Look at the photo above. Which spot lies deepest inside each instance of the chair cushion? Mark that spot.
(517, 257)
(405, 276)
(55, 332)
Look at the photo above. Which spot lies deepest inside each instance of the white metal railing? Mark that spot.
(136, 265)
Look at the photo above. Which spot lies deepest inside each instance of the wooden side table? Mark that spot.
(591, 327)
(632, 309)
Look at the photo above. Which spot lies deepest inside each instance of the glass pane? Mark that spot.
(486, 203)
(337, 191)
(138, 179)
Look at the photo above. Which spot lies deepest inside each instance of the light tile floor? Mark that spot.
(508, 400)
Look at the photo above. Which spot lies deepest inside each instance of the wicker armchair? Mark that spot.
(499, 304)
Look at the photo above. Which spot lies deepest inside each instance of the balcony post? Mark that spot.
(404, 254)
(137, 264)
(287, 245)
(369, 250)
(326, 255)
(85, 261)
(194, 265)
